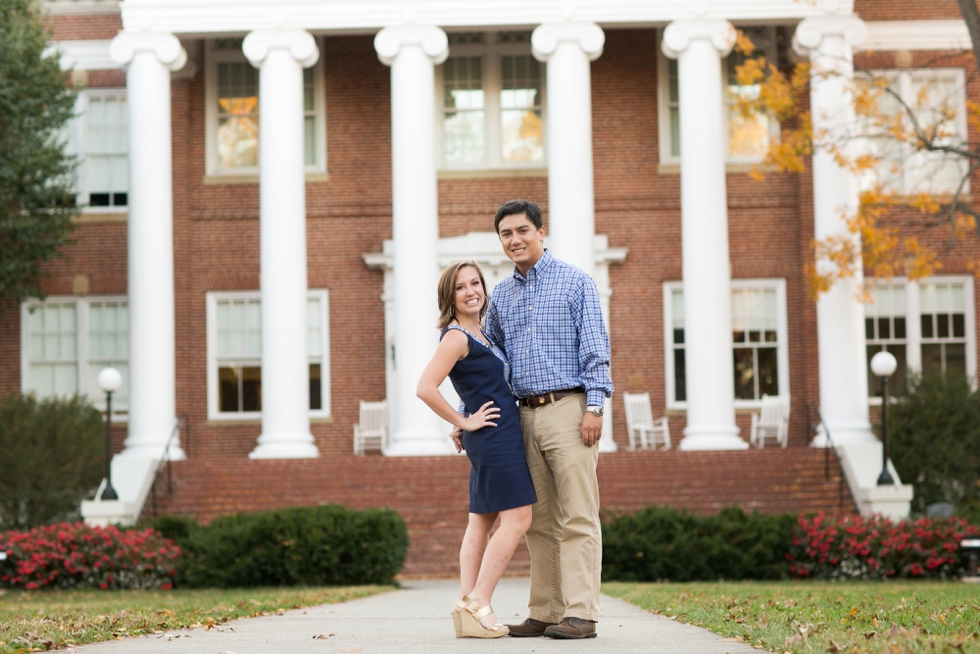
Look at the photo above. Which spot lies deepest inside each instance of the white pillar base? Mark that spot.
(285, 446)
(708, 437)
(419, 442)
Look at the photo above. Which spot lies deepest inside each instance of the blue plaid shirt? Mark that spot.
(550, 326)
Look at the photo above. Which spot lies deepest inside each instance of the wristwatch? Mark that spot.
(597, 411)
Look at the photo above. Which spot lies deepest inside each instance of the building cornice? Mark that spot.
(213, 17)
(76, 7)
(917, 35)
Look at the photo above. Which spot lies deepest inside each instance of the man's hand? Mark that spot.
(457, 436)
(591, 429)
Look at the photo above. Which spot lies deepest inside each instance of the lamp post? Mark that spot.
(883, 364)
(109, 381)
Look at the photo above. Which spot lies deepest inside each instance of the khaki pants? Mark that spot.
(565, 538)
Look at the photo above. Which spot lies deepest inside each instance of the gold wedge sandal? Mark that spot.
(470, 621)
(457, 613)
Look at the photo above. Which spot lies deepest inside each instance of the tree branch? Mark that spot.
(971, 16)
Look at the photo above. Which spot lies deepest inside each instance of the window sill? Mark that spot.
(492, 173)
(235, 180)
(89, 216)
(730, 168)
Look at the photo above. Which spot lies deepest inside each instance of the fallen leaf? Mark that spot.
(834, 647)
(870, 634)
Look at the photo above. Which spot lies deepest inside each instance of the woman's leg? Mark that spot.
(513, 524)
(472, 549)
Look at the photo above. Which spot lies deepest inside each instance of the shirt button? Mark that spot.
(530, 308)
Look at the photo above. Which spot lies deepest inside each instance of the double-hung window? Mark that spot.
(232, 113)
(100, 140)
(490, 99)
(66, 341)
(936, 98)
(235, 354)
(760, 351)
(929, 326)
(747, 137)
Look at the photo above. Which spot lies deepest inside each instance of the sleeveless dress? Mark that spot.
(499, 478)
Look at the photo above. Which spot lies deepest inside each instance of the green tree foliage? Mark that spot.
(934, 442)
(36, 195)
(50, 459)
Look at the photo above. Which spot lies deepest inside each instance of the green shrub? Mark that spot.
(661, 543)
(51, 457)
(934, 442)
(310, 546)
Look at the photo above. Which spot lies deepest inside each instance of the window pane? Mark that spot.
(678, 337)
(520, 110)
(956, 360)
(748, 135)
(959, 325)
(744, 374)
(463, 128)
(942, 325)
(768, 371)
(932, 359)
(238, 115)
(927, 331)
(897, 382)
(309, 141)
(316, 388)
(884, 328)
(251, 388)
(899, 327)
(935, 102)
(677, 308)
(680, 376)
(228, 389)
(314, 339)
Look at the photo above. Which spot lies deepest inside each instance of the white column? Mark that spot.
(281, 56)
(149, 58)
(567, 49)
(412, 52)
(698, 46)
(828, 42)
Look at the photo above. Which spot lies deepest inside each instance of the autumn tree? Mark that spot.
(36, 189)
(896, 130)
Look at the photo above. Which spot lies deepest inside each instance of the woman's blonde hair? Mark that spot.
(447, 292)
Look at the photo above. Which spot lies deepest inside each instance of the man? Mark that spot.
(548, 320)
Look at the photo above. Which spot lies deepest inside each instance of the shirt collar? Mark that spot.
(538, 268)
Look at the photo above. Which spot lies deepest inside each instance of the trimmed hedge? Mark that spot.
(660, 543)
(311, 546)
(76, 555)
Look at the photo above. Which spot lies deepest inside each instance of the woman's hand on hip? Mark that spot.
(485, 417)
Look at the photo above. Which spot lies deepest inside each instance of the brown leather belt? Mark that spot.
(536, 401)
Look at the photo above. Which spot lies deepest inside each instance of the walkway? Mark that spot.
(415, 619)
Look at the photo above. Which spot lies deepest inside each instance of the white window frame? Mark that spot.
(212, 299)
(782, 338)
(490, 53)
(663, 104)
(79, 146)
(913, 327)
(212, 167)
(904, 78)
(86, 386)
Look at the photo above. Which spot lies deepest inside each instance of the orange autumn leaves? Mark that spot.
(888, 233)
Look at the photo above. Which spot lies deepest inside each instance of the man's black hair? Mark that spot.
(512, 207)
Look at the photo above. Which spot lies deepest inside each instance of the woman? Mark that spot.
(500, 483)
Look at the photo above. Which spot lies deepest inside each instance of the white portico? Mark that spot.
(413, 38)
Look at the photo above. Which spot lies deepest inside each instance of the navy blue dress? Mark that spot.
(499, 479)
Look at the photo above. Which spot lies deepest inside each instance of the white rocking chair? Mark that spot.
(773, 422)
(640, 424)
(371, 433)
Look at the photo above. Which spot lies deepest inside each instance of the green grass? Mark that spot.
(899, 616)
(40, 620)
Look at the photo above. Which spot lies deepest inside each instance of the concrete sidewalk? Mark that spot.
(416, 618)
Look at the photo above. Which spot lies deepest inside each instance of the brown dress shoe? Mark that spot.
(572, 628)
(529, 628)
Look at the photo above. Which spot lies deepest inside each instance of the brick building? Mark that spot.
(258, 284)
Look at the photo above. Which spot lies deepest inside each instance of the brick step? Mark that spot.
(430, 493)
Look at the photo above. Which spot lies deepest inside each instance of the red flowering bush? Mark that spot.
(73, 555)
(853, 546)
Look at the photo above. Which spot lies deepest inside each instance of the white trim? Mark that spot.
(79, 7)
(663, 104)
(85, 55)
(367, 16)
(211, 301)
(917, 35)
(782, 342)
(490, 56)
(212, 169)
